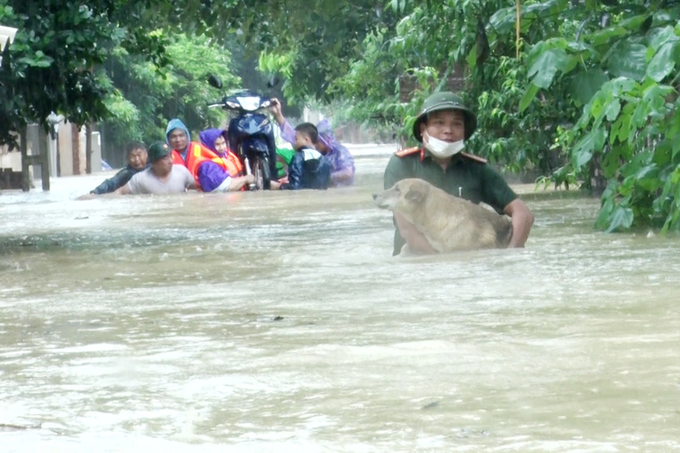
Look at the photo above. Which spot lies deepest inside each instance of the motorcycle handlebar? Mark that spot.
(267, 103)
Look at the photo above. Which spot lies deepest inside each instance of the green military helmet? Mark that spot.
(157, 151)
(445, 100)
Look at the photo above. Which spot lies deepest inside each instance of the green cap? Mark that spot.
(445, 100)
(158, 150)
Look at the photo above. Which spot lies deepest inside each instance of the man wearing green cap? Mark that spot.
(162, 177)
(443, 126)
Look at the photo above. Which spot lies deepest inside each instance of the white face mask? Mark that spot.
(442, 149)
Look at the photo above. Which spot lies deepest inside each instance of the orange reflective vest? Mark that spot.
(177, 158)
(198, 154)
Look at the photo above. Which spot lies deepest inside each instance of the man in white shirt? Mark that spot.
(162, 177)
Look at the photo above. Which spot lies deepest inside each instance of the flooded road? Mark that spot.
(270, 322)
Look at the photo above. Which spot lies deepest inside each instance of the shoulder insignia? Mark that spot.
(479, 159)
(407, 151)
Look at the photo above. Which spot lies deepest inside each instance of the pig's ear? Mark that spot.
(415, 195)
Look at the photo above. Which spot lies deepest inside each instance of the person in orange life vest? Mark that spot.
(217, 169)
(177, 136)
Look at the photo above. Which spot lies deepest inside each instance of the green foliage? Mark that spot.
(147, 97)
(54, 63)
(368, 88)
(628, 129)
(48, 68)
(430, 41)
(310, 42)
(11, 106)
(590, 95)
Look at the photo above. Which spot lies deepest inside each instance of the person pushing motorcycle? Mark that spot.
(338, 156)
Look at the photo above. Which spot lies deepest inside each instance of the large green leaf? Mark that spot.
(612, 109)
(633, 23)
(655, 96)
(660, 36)
(584, 149)
(675, 149)
(605, 212)
(662, 64)
(611, 161)
(504, 19)
(621, 218)
(638, 118)
(472, 58)
(598, 103)
(647, 178)
(546, 66)
(605, 36)
(621, 85)
(528, 97)
(586, 83)
(628, 60)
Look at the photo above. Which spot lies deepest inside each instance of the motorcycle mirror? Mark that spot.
(273, 82)
(214, 81)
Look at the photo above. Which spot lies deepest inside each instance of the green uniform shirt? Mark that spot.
(464, 177)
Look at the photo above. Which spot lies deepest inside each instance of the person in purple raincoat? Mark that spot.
(225, 176)
(339, 156)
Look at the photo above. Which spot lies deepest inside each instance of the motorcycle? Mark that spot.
(251, 134)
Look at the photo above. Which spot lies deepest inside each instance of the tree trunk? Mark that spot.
(598, 183)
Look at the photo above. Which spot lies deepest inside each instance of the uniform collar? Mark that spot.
(456, 158)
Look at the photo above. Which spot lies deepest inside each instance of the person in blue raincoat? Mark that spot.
(339, 157)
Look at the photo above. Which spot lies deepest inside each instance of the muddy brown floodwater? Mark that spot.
(275, 322)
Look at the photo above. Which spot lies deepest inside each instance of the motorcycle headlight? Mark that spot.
(250, 103)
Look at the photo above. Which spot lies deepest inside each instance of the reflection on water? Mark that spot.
(280, 322)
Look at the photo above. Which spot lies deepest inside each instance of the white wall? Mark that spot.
(13, 159)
